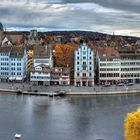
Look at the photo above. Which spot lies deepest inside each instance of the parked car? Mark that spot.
(129, 84)
(107, 85)
(121, 84)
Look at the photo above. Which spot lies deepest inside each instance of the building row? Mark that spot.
(91, 66)
(115, 66)
(17, 66)
(42, 71)
(106, 65)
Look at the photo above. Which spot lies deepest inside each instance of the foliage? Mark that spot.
(18, 42)
(132, 126)
(64, 55)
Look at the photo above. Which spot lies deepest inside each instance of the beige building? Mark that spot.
(42, 63)
(60, 76)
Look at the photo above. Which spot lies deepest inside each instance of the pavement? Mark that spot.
(97, 88)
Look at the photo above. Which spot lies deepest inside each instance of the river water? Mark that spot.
(65, 118)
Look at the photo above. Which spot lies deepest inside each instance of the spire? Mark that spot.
(1, 26)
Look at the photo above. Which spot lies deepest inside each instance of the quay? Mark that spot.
(51, 91)
(27, 89)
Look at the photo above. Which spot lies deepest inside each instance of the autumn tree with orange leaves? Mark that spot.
(64, 55)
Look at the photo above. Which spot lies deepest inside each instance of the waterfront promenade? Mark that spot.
(44, 90)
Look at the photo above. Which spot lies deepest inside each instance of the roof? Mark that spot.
(14, 33)
(5, 49)
(108, 52)
(42, 51)
(44, 68)
(17, 51)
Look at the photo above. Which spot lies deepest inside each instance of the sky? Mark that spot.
(106, 16)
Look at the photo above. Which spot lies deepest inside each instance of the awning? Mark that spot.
(12, 78)
(65, 77)
(18, 78)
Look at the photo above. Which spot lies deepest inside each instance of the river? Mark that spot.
(65, 118)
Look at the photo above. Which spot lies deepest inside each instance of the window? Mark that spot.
(84, 68)
(84, 52)
(18, 64)
(84, 57)
(84, 63)
(90, 57)
(84, 74)
(77, 57)
(90, 68)
(13, 73)
(77, 62)
(12, 68)
(77, 68)
(77, 74)
(13, 64)
(90, 63)
(90, 74)
(18, 69)
(18, 73)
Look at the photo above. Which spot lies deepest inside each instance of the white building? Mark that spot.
(84, 66)
(114, 67)
(40, 75)
(130, 67)
(42, 63)
(108, 65)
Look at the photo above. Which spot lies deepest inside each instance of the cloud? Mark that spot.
(93, 15)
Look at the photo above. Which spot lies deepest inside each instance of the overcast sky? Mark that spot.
(107, 16)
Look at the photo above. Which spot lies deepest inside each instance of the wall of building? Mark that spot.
(84, 66)
(12, 67)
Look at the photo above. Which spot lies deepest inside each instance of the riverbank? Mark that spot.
(118, 92)
(27, 89)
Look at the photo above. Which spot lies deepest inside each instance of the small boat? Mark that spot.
(61, 92)
(19, 91)
(57, 93)
(52, 94)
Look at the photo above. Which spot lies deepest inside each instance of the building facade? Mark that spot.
(84, 66)
(60, 76)
(108, 65)
(115, 67)
(13, 63)
(42, 63)
(40, 75)
(130, 67)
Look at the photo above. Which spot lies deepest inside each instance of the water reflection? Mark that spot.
(68, 118)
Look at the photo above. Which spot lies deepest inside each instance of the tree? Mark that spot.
(132, 126)
(59, 56)
(64, 55)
